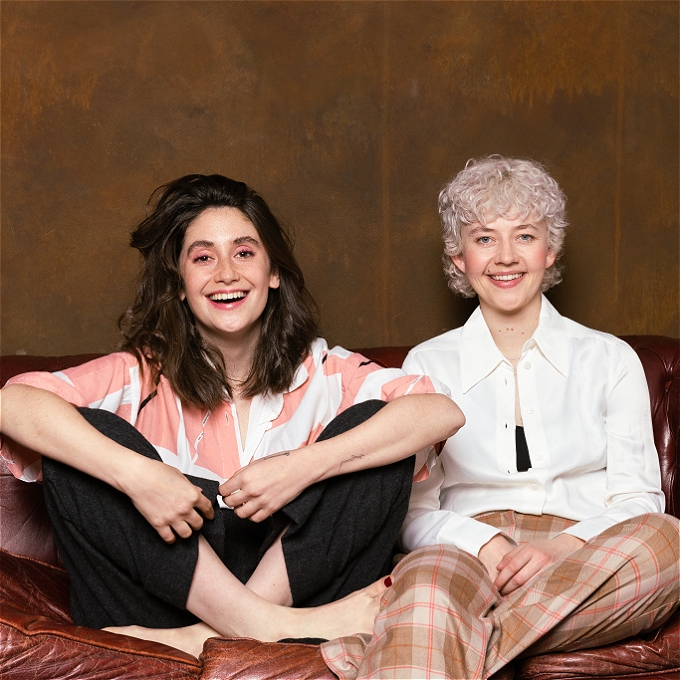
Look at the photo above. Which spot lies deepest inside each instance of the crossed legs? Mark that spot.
(443, 618)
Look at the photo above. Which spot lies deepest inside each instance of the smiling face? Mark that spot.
(505, 261)
(226, 276)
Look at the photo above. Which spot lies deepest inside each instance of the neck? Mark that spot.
(238, 355)
(512, 329)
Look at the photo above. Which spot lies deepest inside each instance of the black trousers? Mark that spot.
(340, 537)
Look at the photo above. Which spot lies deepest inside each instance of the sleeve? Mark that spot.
(363, 379)
(426, 523)
(112, 382)
(633, 473)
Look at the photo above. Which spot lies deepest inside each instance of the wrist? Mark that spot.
(311, 463)
(127, 470)
(568, 542)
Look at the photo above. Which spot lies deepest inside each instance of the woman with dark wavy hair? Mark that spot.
(274, 472)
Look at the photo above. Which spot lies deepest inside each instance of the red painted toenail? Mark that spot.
(388, 581)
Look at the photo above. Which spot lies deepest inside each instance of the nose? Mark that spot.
(506, 252)
(226, 272)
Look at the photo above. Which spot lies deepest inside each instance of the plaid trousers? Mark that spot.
(443, 617)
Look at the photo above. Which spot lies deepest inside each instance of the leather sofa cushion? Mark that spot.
(39, 640)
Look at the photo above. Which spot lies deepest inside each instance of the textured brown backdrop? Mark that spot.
(348, 117)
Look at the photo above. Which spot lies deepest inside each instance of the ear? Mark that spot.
(550, 259)
(459, 261)
(274, 279)
(182, 295)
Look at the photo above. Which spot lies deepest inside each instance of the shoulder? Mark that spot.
(337, 357)
(435, 350)
(586, 338)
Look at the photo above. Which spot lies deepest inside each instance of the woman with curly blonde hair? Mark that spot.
(540, 525)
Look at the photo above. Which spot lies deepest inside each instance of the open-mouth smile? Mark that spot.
(228, 298)
(505, 277)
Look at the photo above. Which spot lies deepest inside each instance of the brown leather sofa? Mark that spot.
(38, 640)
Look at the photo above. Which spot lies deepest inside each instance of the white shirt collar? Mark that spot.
(551, 337)
(479, 355)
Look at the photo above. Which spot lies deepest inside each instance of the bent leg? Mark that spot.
(342, 531)
(620, 583)
(431, 625)
(107, 546)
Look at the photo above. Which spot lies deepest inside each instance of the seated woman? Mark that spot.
(539, 526)
(236, 508)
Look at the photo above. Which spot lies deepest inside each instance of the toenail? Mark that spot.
(388, 581)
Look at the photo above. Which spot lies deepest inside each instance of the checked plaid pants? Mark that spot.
(443, 618)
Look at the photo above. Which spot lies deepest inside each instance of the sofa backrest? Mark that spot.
(25, 527)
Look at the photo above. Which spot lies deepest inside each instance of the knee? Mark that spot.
(664, 536)
(442, 566)
(351, 417)
(119, 430)
(655, 540)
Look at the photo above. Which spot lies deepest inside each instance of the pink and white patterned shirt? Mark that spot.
(207, 443)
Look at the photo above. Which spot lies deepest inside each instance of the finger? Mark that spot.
(204, 506)
(194, 520)
(236, 499)
(182, 529)
(510, 570)
(166, 534)
(246, 510)
(520, 578)
(509, 556)
(230, 485)
(259, 516)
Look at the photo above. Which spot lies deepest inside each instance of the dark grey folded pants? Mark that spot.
(340, 537)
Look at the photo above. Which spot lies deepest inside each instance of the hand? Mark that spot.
(167, 499)
(264, 486)
(492, 552)
(524, 562)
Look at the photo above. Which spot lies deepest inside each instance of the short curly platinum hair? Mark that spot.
(492, 187)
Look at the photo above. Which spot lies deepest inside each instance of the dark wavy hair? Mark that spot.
(160, 328)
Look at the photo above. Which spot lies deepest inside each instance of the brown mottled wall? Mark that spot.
(348, 117)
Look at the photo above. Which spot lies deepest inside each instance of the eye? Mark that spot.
(244, 254)
(526, 237)
(484, 240)
(201, 258)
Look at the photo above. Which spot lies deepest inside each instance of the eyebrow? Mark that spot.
(210, 244)
(481, 229)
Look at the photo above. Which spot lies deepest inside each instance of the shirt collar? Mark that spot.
(479, 355)
(551, 337)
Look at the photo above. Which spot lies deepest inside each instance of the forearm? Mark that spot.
(51, 426)
(400, 429)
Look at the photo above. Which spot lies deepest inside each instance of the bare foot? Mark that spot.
(355, 613)
(189, 639)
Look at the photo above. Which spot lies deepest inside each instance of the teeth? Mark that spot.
(505, 277)
(224, 297)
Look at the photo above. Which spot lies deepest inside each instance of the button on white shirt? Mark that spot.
(585, 406)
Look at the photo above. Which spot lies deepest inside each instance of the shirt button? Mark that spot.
(527, 364)
(530, 411)
(539, 457)
(534, 487)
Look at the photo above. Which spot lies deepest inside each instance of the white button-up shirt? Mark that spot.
(586, 414)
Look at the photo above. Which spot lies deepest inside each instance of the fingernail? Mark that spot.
(388, 582)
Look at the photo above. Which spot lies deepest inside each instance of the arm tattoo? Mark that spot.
(276, 455)
(349, 460)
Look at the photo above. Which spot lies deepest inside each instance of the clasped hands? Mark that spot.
(510, 566)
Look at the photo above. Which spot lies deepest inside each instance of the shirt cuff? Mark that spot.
(471, 536)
